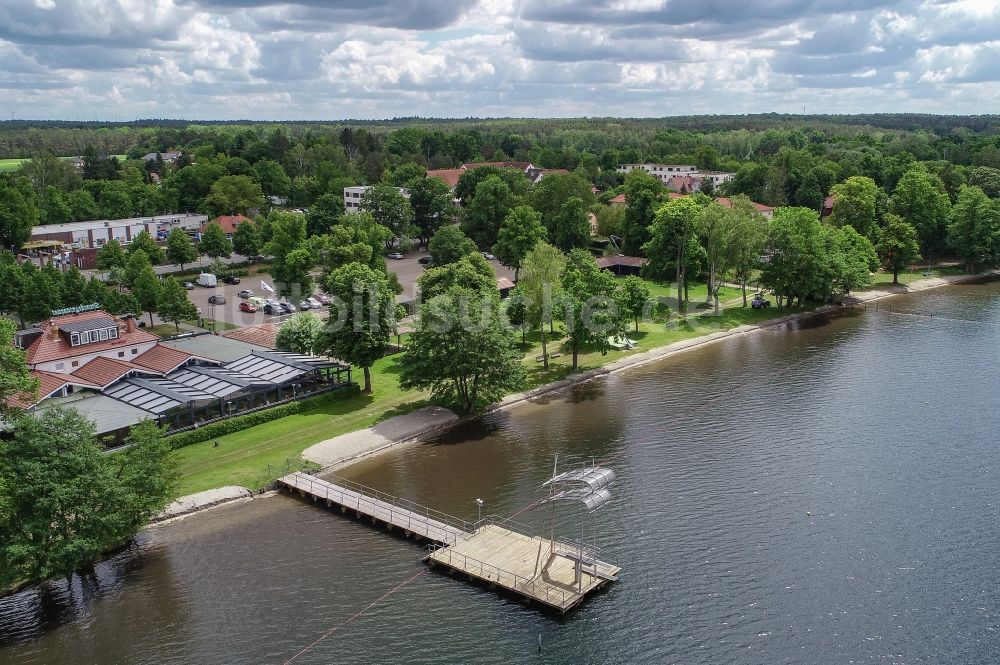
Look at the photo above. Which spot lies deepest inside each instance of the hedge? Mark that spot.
(239, 423)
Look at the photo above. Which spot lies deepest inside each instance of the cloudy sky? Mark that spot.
(332, 59)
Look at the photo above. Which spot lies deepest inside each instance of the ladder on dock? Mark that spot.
(411, 518)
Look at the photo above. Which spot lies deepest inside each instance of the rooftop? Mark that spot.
(52, 345)
(262, 334)
(102, 371)
(214, 347)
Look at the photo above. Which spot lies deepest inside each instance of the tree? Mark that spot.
(974, 231)
(404, 175)
(986, 179)
(293, 258)
(137, 263)
(672, 229)
(572, 229)
(588, 304)
(541, 286)
(553, 191)
(144, 242)
(40, 293)
(323, 214)
(632, 295)
(360, 335)
(461, 351)
(855, 204)
(214, 242)
(18, 211)
(233, 194)
(468, 182)
(15, 378)
(798, 264)
(852, 259)
(180, 249)
(302, 333)
(471, 272)
(356, 238)
(431, 200)
(246, 239)
(390, 208)
(745, 240)
(173, 305)
(520, 231)
(73, 288)
(920, 200)
(110, 256)
(449, 244)
(642, 196)
(146, 289)
(272, 178)
(492, 203)
(82, 205)
(898, 245)
(71, 501)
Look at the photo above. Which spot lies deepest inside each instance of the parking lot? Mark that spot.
(407, 269)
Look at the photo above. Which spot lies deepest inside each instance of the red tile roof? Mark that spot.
(103, 371)
(618, 199)
(500, 165)
(262, 334)
(228, 223)
(162, 359)
(727, 203)
(48, 383)
(53, 346)
(449, 176)
(504, 283)
(632, 261)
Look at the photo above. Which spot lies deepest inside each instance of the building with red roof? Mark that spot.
(227, 223)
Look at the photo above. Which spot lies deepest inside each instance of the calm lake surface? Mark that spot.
(825, 493)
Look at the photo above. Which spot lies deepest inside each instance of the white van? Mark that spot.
(207, 279)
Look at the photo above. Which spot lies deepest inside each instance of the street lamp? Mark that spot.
(479, 508)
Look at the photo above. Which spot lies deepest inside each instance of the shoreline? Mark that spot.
(412, 433)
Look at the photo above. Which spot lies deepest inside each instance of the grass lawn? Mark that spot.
(10, 165)
(882, 279)
(242, 458)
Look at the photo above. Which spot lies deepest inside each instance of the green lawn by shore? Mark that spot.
(882, 279)
(242, 458)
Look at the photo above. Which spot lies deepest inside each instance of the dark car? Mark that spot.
(231, 280)
(273, 309)
(286, 308)
(425, 260)
(246, 293)
(188, 285)
(217, 300)
(322, 298)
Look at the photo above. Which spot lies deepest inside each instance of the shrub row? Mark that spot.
(239, 423)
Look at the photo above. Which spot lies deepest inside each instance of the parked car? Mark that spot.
(487, 256)
(207, 280)
(425, 260)
(248, 307)
(231, 280)
(396, 256)
(313, 303)
(217, 300)
(273, 309)
(256, 301)
(322, 298)
(245, 293)
(304, 305)
(188, 285)
(286, 308)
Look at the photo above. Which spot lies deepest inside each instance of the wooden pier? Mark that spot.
(555, 574)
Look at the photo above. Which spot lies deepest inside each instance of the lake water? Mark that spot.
(823, 493)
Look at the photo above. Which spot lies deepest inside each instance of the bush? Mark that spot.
(239, 423)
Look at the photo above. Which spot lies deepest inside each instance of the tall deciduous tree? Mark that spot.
(492, 203)
(920, 199)
(431, 200)
(898, 245)
(18, 211)
(572, 229)
(553, 191)
(302, 333)
(232, 195)
(15, 378)
(173, 305)
(145, 243)
(471, 272)
(246, 239)
(323, 214)
(541, 287)
(390, 208)
(798, 263)
(146, 289)
(450, 244)
(642, 196)
(180, 249)
(111, 256)
(520, 231)
(852, 259)
(71, 501)
(214, 242)
(672, 230)
(360, 334)
(974, 231)
(293, 258)
(588, 304)
(632, 295)
(462, 352)
(855, 204)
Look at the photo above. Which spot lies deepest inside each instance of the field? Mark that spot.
(13, 164)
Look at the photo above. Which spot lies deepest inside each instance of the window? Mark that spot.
(60, 366)
(74, 339)
(104, 334)
(121, 354)
(135, 351)
(112, 333)
(75, 363)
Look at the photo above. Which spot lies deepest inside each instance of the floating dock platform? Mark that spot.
(556, 574)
